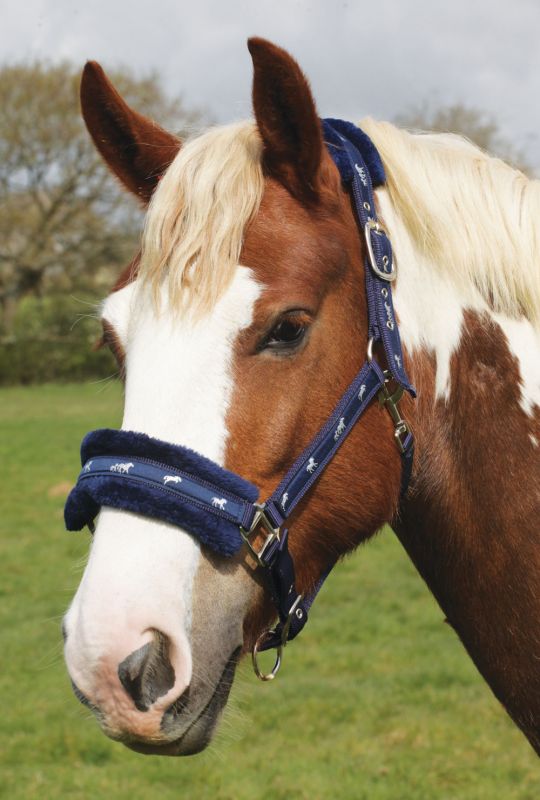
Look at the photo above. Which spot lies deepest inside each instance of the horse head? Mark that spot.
(237, 330)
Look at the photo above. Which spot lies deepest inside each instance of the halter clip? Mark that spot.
(391, 403)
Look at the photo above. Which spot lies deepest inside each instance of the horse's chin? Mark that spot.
(199, 730)
(193, 741)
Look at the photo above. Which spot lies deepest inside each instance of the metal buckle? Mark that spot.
(391, 401)
(402, 430)
(369, 350)
(260, 518)
(269, 676)
(373, 225)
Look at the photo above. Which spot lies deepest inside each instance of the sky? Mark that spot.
(382, 58)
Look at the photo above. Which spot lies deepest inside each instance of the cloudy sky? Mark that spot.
(380, 58)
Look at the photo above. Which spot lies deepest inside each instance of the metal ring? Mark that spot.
(266, 676)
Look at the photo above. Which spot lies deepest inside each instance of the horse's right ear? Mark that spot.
(136, 149)
(287, 119)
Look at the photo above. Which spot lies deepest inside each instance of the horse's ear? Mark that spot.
(287, 119)
(136, 149)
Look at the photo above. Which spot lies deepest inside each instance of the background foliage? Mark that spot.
(66, 226)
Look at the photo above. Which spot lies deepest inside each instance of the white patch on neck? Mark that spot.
(524, 343)
(430, 310)
(429, 307)
(178, 388)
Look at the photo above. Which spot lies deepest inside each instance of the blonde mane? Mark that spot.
(197, 217)
(473, 217)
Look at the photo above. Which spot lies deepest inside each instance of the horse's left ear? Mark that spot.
(134, 147)
(287, 119)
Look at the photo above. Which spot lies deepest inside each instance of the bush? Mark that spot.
(54, 340)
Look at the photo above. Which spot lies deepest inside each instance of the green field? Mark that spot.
(377, 698)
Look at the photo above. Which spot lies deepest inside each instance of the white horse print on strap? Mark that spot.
(171, 479)
(219, 502)
(121, 468)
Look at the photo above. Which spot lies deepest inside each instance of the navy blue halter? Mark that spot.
(135, 472)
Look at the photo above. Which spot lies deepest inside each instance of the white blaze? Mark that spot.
(178, 388)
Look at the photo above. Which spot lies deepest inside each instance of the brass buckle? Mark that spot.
(260, 518)
(269, 676)
(391, 401)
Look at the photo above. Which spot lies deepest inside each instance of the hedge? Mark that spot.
(53, 339)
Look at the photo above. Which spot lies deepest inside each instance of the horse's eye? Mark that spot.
(287, 334)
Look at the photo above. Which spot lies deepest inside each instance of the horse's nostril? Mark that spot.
(147, 673)
(179, 705)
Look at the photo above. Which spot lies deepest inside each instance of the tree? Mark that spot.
(475, 125)
(64, 221)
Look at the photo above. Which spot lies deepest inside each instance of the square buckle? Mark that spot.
(259, 519)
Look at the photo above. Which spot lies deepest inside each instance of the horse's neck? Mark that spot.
(470, 523)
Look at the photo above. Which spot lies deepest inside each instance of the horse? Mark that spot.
(237, 327)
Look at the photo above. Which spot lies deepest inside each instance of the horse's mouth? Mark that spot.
(198, 734)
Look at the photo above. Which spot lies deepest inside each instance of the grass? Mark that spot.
(376, 700)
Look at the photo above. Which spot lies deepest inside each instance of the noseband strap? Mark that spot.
(134, 472)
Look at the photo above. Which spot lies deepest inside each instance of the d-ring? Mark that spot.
(266, 676)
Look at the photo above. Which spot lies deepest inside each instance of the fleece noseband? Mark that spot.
(137, 473)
